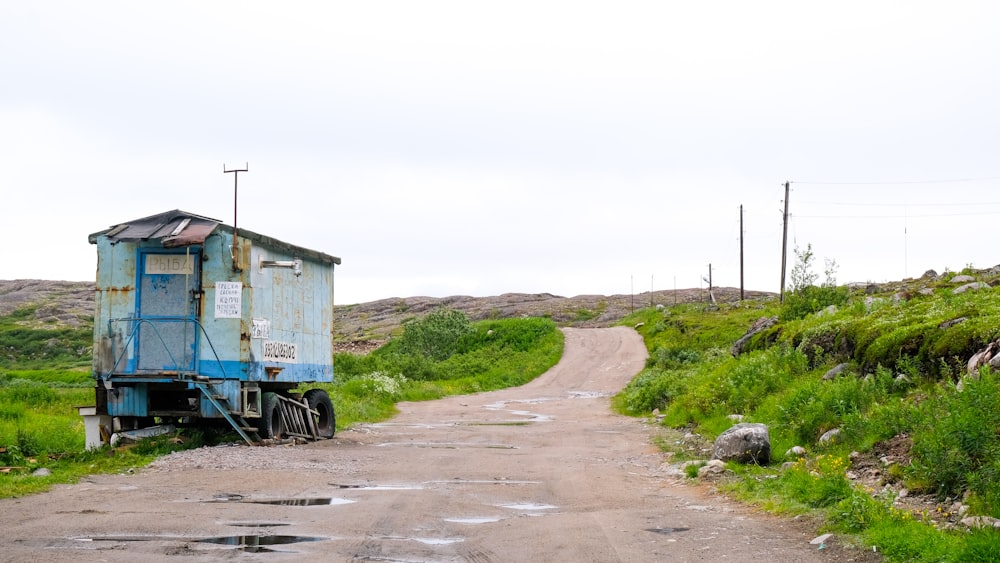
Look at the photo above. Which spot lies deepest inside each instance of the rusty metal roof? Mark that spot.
(175, 228)
(179, 228)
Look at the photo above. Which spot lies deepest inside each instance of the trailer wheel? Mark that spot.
(326, 422)
(270, 417)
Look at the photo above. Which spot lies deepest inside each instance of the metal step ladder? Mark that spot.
(235, 419)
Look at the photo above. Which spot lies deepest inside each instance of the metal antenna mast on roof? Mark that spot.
(235, 249)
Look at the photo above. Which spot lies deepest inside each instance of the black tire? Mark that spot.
(270, 426)
(326, 422)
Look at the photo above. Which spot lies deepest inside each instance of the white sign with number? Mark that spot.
(287, 352)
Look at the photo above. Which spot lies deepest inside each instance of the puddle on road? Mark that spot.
(259, 544)
(379, 487)
(588, 394)
(482, 520)
(326, 501)
(250, 543)
(500, 405)
(535, 417)
(303, 501)
(425, 541)
(666, 530)
(528, 506)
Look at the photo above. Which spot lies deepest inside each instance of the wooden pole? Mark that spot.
(741, 252)
(784, 246)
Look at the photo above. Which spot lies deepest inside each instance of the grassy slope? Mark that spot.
(903, 361)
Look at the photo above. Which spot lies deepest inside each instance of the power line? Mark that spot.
(904, 216)
(893, 183)
(849, 204)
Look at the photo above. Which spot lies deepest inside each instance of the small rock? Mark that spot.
(787, 465)
(713, 467)
(970, 287)
(962, 278)
(41, 472)
(830, 436)
(834, 372)
(851, 476)
(952, 322)
(980, 522)
(735, 417)
(795, 451)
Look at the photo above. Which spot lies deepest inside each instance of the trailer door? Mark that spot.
(169, 288)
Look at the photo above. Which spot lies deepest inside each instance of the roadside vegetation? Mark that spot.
(441, 354)
(915, 446)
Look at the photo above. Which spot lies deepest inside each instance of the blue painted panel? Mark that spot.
(128, 400)
(300, 373)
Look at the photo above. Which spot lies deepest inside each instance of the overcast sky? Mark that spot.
(444, 148)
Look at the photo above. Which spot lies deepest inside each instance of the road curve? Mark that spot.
(542, 472)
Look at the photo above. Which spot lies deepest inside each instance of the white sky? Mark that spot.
(446, 148)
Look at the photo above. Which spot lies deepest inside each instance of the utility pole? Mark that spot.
(235, 249)
(784, 246)
(741, 252)
(711, 296)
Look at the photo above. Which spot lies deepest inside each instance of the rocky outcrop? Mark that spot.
(759, 325)
(988, 356)
(378, 319)
(55, 303)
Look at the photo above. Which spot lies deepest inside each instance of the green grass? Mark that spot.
(26, 343)
(492, 354)
(903, 361)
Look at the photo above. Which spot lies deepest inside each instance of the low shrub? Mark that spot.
(955, 441)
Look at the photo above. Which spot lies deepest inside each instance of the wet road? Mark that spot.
(544, 472)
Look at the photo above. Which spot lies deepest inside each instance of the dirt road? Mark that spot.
(544, 472)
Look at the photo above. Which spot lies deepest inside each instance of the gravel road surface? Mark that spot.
(543, 472)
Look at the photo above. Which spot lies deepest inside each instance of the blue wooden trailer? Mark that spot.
(198, 323)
